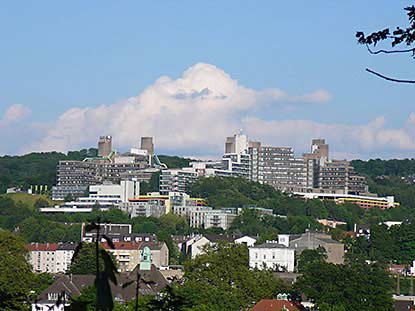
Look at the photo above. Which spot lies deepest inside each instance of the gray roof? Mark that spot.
(270, 245)
(151, 283)
(67, 246)
(153, 245)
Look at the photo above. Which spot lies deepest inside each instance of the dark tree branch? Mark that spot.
(388, 78)
(389, 51)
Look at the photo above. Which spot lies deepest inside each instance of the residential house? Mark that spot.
(271, 255)
(159, 253)
(247, 240)
(127, 254)
(151, 282)
(191, 245)
(313, 240)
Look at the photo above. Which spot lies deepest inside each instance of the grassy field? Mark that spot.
(29, 199)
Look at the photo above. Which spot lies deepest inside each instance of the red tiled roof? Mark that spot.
(123, 245)
(42, 247)
(274, 305)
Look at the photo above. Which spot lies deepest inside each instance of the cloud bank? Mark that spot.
(195, 112)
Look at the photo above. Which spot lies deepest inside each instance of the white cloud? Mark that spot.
(194, 113)
(349, 141)
(14, 113)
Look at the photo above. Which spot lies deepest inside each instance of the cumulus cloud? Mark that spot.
(350, 141)
(14, 113)
(192, 112)
(195, 112)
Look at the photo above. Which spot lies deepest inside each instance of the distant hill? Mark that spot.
(174, 161)
(35, 168)
(378, 167)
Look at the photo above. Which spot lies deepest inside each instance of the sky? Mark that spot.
(191, 73)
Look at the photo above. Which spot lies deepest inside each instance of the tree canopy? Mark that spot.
(352, 287)
(16, 275)
(401, 36)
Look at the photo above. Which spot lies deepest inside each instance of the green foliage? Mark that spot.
(34, 168)
(152, 185)
(221, 280)
(16, 275)
(311, 256)
(174, 161)
(354, 287)
(395, 245)
(84, 262)
(39, 203)
(378, 167)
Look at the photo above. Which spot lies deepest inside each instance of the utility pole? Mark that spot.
(398, 285)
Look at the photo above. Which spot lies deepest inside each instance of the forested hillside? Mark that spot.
(35, 168)
(378, 167)
(40, 168)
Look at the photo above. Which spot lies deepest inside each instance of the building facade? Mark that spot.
(272, 255)
(51, 257)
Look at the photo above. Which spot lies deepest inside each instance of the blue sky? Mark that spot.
(56, 56)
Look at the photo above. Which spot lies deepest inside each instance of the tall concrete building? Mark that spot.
(176, 180)
(104, 146)
(147, 144)
(74, 177)
(338, 176)
(317, 158)
(277, 166)
(237, 143)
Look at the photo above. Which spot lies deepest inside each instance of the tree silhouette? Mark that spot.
(397, 38)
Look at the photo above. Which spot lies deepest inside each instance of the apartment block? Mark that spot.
(340, 177)
(176, 180)
(51, 257)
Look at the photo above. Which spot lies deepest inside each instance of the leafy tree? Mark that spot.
(311, 256)
(174, 161)
(15, 273)
(84, 261)
(152, 185)
(354, 287)
(41, 203)
(400, 36)
(221, 280)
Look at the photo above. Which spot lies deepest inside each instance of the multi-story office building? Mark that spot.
(278, 167)
(145, 206)
(340, 177)
(176, 180)
(74, 177)
(207, 217)
(235, 165)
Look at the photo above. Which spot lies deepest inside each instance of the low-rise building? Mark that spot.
(127, 254)
(159, 253)
(331, 222)
(247, 240)
(313, 240)
(51, 257)
(272, 255)
(191, 245)
(117, 233)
